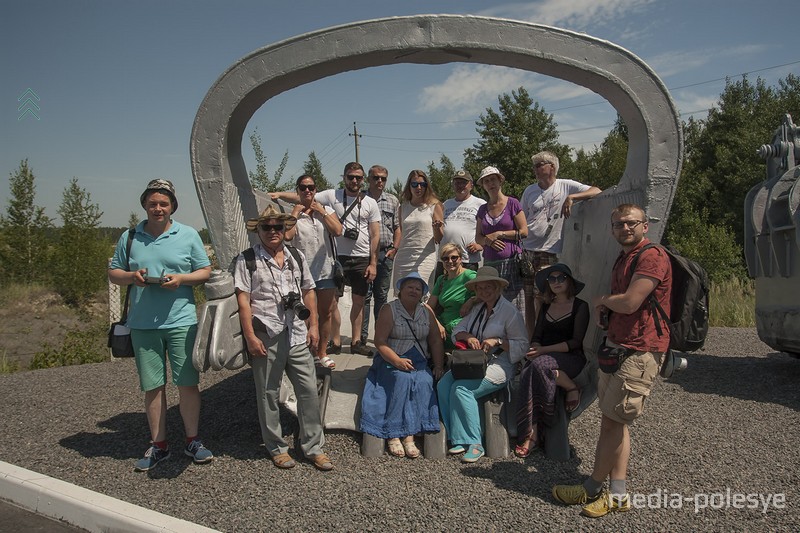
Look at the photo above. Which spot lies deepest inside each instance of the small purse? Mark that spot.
(525, 266)
(609, 359)
(468, 364)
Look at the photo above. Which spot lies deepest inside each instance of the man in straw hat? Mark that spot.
(278, 312)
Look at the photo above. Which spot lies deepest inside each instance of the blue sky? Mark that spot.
(120, 84)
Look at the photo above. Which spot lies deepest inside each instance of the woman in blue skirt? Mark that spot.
(399, 400)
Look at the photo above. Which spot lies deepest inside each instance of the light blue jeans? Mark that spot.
(460, 409)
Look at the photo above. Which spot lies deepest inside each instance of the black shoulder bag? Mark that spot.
(119, 334)
(470, 364)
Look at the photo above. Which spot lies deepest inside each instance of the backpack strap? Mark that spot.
(250, 261)
(655, 307)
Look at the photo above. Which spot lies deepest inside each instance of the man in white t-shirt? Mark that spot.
(546, 204)
(357, 247)
(460, 215)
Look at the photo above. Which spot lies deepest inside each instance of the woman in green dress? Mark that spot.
(449, 292)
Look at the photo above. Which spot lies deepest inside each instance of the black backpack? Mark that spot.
(688, 323)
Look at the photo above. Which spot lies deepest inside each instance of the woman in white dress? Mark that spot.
(421, 224)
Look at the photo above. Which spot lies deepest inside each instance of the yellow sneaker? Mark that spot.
(571, 494)
(606, 504)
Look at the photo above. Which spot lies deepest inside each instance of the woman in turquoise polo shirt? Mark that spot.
(166, 259)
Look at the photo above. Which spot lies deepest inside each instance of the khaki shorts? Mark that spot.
(621, 395)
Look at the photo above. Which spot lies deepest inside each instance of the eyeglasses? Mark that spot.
(380, 178)
(629, 223)
(306, 188)
(354, 177)
(461, 182)
(271, 227)
(542, 163)
(417, 184)
(451, 258)
(559, 278)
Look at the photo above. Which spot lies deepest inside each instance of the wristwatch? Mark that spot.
(499, 341)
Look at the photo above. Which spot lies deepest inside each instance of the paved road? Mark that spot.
(17, 520)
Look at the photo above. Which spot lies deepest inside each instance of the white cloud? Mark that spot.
(674, 62)
(470, 89)
(573, 14)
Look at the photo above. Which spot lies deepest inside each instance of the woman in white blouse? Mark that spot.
(495, 326)
(313, 235)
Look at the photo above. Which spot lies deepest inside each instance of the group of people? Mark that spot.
(430, 254)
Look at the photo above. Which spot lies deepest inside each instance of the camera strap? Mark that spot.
(348, 209)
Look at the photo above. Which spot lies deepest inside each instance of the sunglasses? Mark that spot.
(560, 278)
(451, 258)
(306, 188)
(380, 178)
(354, 177)
(543, 163)
(418, 184)
(271, 227)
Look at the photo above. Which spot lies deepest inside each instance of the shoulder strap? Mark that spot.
(344, 201)
(250, 260)
(128, 246)
(655, 307)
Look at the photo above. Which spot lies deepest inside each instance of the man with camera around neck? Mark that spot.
(278, 313)
(357, 247)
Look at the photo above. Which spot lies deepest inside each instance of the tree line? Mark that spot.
(706, 222)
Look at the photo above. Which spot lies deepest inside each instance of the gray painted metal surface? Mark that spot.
(654, 154)
(772, 242)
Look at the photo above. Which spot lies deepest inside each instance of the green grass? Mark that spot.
(79, 347)
(6, 366)
(732, 304)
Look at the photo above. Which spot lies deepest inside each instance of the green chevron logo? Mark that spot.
(28, 105)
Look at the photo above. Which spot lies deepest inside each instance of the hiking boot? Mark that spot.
(572, 494)
(152, 457)
(605, 504)
(199, 453)
(360, 348)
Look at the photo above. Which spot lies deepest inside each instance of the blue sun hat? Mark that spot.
(410, 276)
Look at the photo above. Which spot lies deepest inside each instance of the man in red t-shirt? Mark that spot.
(621, 395)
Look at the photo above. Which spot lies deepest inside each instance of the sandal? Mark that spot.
(410, 447)
(327, 362)
(571, 405)
(522, 451)
(322, 462)
(396, 448)
(283, 460)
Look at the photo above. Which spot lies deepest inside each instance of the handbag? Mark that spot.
(119, 334)
(525, 266)
(468, 364)
(338, 269)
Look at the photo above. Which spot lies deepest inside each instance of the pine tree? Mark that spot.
(26, 232)
(78, 276)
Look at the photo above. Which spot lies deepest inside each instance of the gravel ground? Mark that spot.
(727, 423)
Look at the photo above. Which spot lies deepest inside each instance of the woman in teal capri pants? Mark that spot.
(497, 327)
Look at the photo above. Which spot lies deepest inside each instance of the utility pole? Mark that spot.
(355, 136)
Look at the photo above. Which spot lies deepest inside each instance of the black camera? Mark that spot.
(350, 233)
(294, 302)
